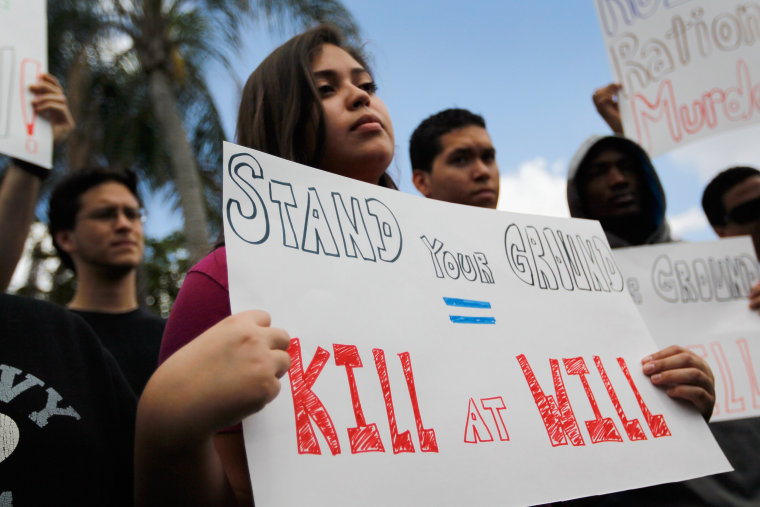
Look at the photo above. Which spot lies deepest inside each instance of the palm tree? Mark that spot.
(171, 40)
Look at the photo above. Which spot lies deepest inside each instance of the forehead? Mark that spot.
(331, 57)
(742, 192)
(108, 193)
(607, 156)
(471, 136)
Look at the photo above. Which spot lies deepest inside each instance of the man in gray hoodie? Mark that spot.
(611, 179)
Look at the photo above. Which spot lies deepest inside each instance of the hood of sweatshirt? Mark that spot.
(655, 212)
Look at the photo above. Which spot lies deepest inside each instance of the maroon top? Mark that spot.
(203, 300)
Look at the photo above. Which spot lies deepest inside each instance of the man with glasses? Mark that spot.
(67, 415)
(732, 204)
(96, 222)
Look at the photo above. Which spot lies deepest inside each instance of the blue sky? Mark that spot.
(528, 67)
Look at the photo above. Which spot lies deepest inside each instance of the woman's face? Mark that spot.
(358, 131)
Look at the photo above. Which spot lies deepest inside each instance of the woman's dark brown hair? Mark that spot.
(281, 110)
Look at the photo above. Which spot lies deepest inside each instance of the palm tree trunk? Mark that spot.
(81, 143)
(183, 163)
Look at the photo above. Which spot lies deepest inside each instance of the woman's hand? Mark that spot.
(230, 371)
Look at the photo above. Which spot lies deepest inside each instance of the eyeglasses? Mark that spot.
(745, 212)
(111, 214)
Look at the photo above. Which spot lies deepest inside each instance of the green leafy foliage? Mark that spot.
(162, 272)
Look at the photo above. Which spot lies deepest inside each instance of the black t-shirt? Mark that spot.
(67, 414)
(134, 339)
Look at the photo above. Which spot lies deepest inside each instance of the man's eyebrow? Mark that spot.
(464, 150)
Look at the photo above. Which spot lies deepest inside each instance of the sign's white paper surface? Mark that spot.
(695, 295)
(23, 58)
(689, 68)
(445, 355)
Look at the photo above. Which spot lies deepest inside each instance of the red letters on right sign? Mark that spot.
(559, 418)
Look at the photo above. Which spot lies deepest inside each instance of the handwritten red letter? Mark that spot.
(426, 436)
(600, 429)
(364, 437)
(733, 403)
(632, 427)
(751, 375)
(306, 404)
(495, 405)
(476, 430)
(656, 423)
(558, 416)
(402, 442)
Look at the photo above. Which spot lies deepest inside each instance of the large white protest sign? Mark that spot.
(442, 354)
(695, 295)
(689, 68)
(23, 58)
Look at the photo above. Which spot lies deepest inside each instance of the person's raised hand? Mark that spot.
(606, 102)
(50, 103)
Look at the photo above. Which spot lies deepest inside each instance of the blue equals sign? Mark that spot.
(469, 303)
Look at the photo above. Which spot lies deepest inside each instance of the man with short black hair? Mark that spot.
(453, 159)
(95, 220)
(67, 414)
(732, 203)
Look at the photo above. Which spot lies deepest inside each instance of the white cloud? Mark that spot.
(688, 222)
(535, 188)
(710, 156)
(115, 46)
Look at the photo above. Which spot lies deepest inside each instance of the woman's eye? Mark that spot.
(369, 87)
(325, 89)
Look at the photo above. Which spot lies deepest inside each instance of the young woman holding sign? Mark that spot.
(311, 101)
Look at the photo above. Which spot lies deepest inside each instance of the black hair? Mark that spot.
(65, 203)
(425, 143)
(712, 198)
